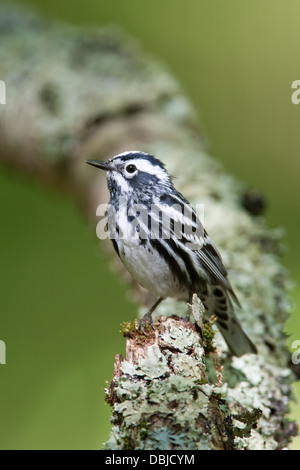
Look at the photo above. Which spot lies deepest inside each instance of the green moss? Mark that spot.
(208, 337)
(129, 329)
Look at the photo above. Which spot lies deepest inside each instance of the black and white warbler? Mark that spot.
(163, 245)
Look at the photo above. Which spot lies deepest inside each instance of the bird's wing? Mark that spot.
(211, 259)
(192, 232)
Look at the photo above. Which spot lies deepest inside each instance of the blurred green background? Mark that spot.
(236, 61)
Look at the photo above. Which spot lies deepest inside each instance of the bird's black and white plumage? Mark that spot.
(163, 244)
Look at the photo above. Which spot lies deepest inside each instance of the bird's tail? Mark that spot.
(218, 303)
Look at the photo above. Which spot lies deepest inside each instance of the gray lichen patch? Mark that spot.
(176, 335)
(154, 365)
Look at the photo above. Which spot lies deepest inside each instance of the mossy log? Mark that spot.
(74, 94)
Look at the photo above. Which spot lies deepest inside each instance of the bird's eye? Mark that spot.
(130, 168)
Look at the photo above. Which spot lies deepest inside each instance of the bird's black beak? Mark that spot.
(102, 165)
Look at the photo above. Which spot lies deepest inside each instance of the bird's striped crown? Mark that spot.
(136, 173)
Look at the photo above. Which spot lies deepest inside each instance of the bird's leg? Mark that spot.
(188, 315)
(148, 317)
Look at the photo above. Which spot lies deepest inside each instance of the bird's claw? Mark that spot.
(187, 318)
(147, 319)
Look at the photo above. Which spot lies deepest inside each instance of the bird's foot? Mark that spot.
(187, 318)
(146, 320)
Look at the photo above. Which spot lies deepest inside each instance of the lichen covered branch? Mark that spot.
(168, 392)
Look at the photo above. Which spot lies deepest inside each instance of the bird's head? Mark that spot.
(133, 173)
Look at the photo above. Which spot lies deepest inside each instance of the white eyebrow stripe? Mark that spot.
(147, 167)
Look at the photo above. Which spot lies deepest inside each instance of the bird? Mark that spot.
(162, 243)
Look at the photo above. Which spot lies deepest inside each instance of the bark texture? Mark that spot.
(74, 94)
